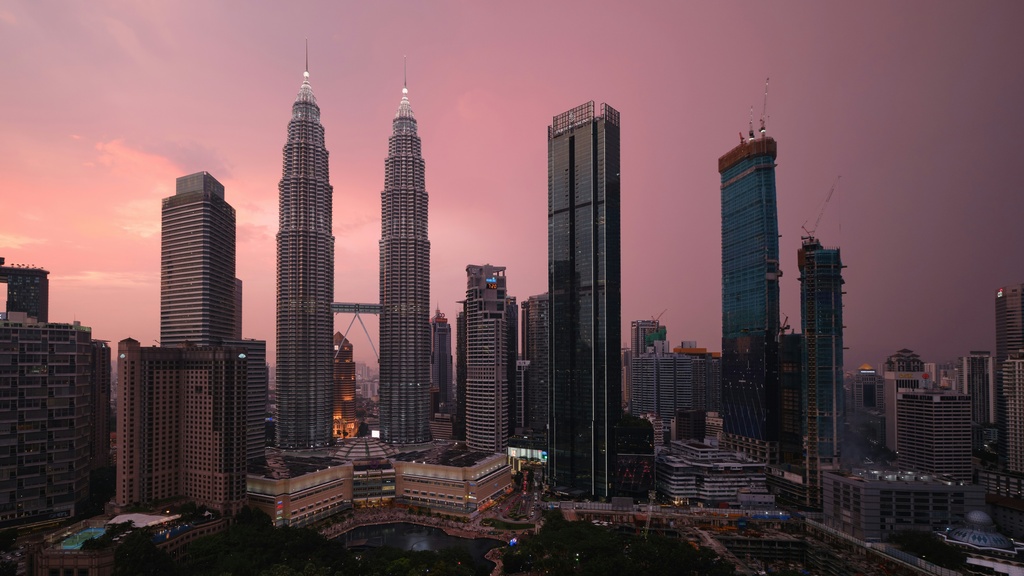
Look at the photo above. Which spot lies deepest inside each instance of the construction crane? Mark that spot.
(657, 318)
(810, 233)
(764, 110)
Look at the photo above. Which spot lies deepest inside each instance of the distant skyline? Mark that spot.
(916, 104)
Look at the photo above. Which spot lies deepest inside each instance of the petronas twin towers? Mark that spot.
(305, 284)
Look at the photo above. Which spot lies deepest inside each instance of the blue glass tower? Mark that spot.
(821, 313)
(750, 298)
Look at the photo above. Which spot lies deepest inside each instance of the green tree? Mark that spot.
(138, 556)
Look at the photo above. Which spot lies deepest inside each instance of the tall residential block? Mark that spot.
(99, 403)
(1013, 387)
(584, 291)
(535, 350)
(46, 414)
(487, 385)
(904, 371)
(197, 264)
(1009, 339)
(305, 281)
(442, 379)
(821, 319)
(181, 425)
(933, 431)
(343, 391)
(750, 298)
(28, 290)
(404, 287)
(663, 384)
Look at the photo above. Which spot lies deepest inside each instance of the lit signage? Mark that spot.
(492, 285)
(999, 294)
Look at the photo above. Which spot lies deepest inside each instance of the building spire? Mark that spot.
(307, 58)
(404, 108)
(405, 74)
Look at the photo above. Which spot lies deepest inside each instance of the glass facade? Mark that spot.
(750, 291)
(584, 297)
(821, 313)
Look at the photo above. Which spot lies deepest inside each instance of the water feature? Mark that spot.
(406, 536)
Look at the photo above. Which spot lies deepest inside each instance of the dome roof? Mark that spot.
(980, 532)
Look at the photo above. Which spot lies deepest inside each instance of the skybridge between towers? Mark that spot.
(356, 309)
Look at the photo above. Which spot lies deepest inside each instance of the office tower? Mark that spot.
(690, 425)
(867, 387)
(638, 331)
(404, 287)
(976, 376)
(536, 326)
(821, 319)
(792, 405)
(99, 403)
(257, 386)
(238, 309)
(461, 370)
(305, 281)
(1013, 386)
(181, 425)
(626, 356)
(487, 385)
(635, 439)
(45, 376)
(933, 431)
(511, 359)
(441, 377)
(197, 264)
(522, 376)
(28, 290)
(750, 298)
(904, 361)
(584, 291)
(343, 390)
(904, 372)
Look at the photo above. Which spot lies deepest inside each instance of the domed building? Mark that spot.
(979, 532)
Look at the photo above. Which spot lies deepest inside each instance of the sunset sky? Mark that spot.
(918, 105)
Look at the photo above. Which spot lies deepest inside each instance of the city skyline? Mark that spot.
(918, 122)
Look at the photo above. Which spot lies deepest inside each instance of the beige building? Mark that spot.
(181, 426)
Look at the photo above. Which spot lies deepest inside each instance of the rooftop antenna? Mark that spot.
(751, 123)
(764, 111)
(307, 58)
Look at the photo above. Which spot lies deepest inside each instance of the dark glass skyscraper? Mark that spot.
(305, 282)
(404, 287)
(821, 313)
(441, 377)
(584, 297)
(750, 298)
(197, 264)
(536, 326)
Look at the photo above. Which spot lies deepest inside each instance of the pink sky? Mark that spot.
(918, 105)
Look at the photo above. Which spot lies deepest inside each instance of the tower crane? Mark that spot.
(810, 233)
(658, 317)
(764, 110)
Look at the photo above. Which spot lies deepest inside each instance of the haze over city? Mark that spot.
(916, 105)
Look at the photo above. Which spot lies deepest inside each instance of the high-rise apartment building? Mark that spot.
(584, 291)
(305, 281)
(99, 402)
(1009, 303)
(511, 360)
(343, 391)
(536, 325)
(821, 319)
(461, 373)
(197, 264)
(1013, 387)
(904, 372)
(404, 287)
(663, 384)
(181, 425)
(46, 414)
(750, 298)
(442, 379)
(28, 290)
(976, 374)
(487, 385)
(638, 331)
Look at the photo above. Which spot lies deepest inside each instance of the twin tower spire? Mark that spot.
(305, 284)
